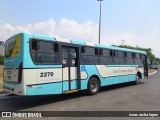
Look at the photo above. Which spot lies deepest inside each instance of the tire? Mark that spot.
(93, 86)
(137, 82)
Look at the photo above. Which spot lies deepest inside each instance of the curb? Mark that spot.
(153, 73)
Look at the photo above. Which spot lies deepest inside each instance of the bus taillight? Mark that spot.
(20, 73)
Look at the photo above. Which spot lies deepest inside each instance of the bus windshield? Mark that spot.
(12, 47)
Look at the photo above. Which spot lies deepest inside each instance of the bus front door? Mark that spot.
(69, 68)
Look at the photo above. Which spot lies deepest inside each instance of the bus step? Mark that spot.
(70, 91)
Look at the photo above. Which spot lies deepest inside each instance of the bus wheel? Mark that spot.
(93, 86)
(137, 82)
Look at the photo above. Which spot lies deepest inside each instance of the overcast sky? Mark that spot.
(137, 22)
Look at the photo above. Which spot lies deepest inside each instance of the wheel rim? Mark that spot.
(93, 86)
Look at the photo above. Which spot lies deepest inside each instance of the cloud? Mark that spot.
(86, 31)
(72, 29)
(66, 28)
(116, 39)
(47, 28)
(147, 40)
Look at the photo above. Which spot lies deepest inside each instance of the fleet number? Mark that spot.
(46, 74)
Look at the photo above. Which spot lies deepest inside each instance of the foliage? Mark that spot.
(1, 60)
(150, 55)
(158, 59)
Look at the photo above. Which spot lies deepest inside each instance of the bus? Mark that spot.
(44, 65)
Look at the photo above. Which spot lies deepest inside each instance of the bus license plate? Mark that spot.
(8, 88)
(9, 78)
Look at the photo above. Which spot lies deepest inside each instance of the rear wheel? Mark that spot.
(93, 86)
(137, 82)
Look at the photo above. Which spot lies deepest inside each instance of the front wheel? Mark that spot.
(93, 86)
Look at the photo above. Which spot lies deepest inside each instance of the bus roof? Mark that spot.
(122, 49)
(84, 43)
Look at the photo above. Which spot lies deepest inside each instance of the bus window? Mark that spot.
(129, 58)
(96, 51)
(106, 53)
(90, 57)
(34, 45)
(138, 59)
(105, 57)
(83, 49)
(12, 47)
(100, 51)
(121, 57)
(44, 52)
(115, 57)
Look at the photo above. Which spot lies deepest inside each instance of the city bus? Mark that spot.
(44, 65)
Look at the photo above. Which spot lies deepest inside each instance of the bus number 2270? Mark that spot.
(46, 74)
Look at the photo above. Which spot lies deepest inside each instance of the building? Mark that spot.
(1, 48)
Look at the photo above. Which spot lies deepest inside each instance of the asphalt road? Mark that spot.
(123, 97)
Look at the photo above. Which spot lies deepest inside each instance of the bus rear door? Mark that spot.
(70, 68)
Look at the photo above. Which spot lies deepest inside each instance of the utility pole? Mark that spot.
(99, 41)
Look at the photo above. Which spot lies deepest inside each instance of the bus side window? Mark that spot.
(44, 52)
(96, 51)
(111, 53)
(91, 55)
(56, 47)
(34, 45)
(114, 53)
(133, 55)
(129, 58)
(83, 50)
(125, 54)
(143, 59)
(100, 51)
(115, 56)
(121, 57)
(105, 57)
(138, 59)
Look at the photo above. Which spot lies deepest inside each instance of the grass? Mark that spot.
(1, 78)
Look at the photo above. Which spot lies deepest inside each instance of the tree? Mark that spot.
(158, 59)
